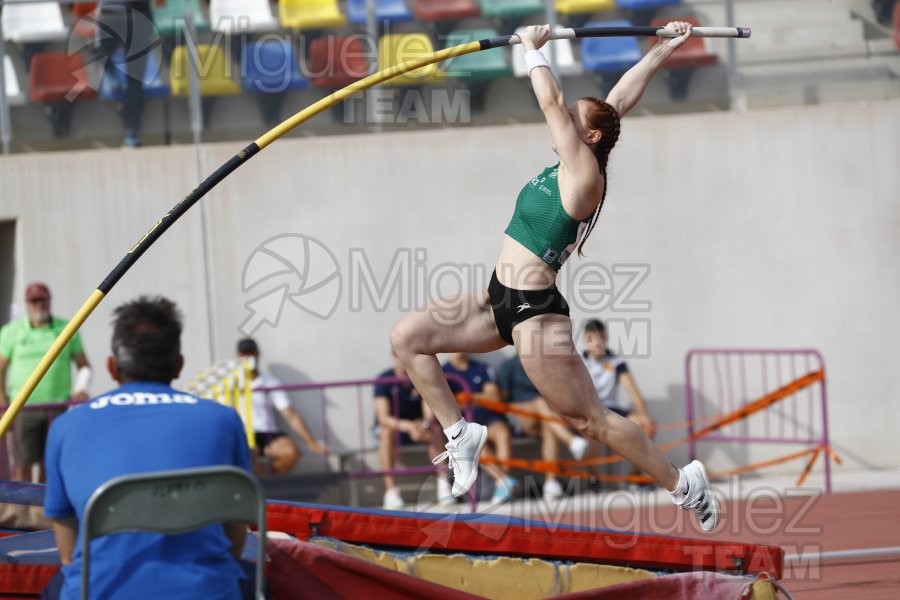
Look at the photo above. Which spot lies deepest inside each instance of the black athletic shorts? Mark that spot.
(512, 307)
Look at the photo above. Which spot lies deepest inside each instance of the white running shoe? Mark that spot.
(392, 499)
(699, 496)
(578, 447)
(552, 490)
(463, 454)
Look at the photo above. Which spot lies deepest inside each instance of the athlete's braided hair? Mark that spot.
(603, 117)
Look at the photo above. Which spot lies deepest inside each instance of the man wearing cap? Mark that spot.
(23, 344)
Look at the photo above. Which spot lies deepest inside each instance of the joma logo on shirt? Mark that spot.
(141, 399)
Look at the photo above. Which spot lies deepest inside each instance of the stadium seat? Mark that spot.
(395, 49)
(645, 4)
(59, 77)
(611, 55)
(507, 9)
(445, 10)
(35, 22)
(335, 62)
(241, 16)
(85, 28)
(271, 66)
(488, 64)
(576, 7)
(563, 56)
(310, 14)
(215, 72)
(115, 78)
(169, 18)
(14, 93)
(385, 10)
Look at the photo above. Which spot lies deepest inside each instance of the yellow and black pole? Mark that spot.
(161, 226)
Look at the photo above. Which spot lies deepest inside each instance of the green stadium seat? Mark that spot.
(169, 18)
(510, 9)
(484, 65)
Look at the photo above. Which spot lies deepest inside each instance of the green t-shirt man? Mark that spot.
(23, 346)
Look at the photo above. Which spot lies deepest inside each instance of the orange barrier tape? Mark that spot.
(764, 402)
(717, 422)
(554, 468)
(496, 406)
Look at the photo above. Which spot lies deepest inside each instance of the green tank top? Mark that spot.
(541, 224)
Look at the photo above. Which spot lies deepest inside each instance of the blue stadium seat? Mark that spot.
(385, 10)
(645, 4)
(114, 80)
(271, 66)
(612, 55)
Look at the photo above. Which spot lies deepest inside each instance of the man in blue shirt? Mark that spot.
(144, 425)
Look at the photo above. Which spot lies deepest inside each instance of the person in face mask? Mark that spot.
(23, 344)
(271, 442)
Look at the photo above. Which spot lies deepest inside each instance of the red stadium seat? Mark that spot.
(82, 8)
(692, 54)
(59, 77)
(84, 27)
(335, 62)
(445, 10)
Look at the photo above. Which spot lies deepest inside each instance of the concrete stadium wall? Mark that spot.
(771, 228)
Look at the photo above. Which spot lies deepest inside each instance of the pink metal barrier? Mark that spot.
(722, 381)
(365, 429)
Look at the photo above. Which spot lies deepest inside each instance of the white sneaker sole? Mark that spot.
(474, 474)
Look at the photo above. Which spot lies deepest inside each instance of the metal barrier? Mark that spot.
(365, 431)
(779, 393)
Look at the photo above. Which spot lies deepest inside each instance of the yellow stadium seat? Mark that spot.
(573, 7)
(216, 74)
(310, 14)
(395, 49)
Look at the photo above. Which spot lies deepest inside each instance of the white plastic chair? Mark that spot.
(35, 22)
(563, 55)
(174, 502)
(241, 16)
(14, 93)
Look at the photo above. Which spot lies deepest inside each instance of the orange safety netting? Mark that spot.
(717, 422)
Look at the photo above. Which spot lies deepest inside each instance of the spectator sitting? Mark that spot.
(517, 389)
(23, 344)
(270, 441)
(609, 371)
(144, 425)
(482, 381)
(400, 416)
